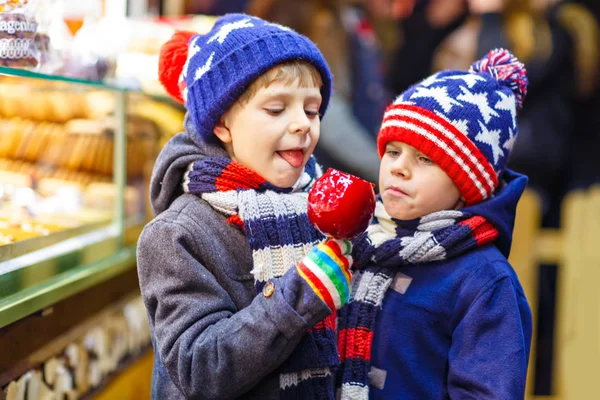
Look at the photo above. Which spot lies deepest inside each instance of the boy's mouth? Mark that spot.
(396, 191)
(294, 157)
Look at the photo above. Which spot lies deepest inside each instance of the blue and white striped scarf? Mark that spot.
(279, 234)
(387, 245)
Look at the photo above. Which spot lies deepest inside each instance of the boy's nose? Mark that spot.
(401, 167)
(300, 123)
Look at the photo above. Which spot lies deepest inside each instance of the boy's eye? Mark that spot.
(274, 111)
(425, 160)
(311, 114)
(393, 153)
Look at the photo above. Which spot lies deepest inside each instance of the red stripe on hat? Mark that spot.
(482, 230)
(448, 163)
(461, 149)
(358, 342)
(465, 184)
(454, 131)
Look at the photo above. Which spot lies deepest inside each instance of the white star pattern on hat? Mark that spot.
(510, 142)
(194, 49)
(224, 31)
(469, 79)
(481, 101)
(439, 94)
(203, 69)
(507, 103)
(461, 124)
(431, 80)
(492, 138)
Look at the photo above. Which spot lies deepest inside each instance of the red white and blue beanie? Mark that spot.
(209, 72)
(465, 122)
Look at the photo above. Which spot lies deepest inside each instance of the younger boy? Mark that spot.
(437, 312)
(227, 267)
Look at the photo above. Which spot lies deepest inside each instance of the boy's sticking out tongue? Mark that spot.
(293, 157)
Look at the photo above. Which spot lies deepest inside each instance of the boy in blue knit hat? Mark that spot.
(228, 266)
(436, 310)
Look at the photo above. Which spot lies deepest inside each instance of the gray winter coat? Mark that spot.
(213, 337)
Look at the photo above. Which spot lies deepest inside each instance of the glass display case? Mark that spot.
(75, 163)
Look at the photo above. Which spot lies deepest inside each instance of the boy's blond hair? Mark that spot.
(287, 72)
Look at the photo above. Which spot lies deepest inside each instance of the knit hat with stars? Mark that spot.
(208, 73)
(465, 122)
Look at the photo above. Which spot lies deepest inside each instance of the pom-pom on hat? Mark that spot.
(465, 122)
(208, 73)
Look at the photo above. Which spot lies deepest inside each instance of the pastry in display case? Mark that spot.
(58, 155)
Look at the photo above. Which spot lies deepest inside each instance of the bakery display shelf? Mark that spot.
(150, 90)
(37, 287)
(17, 249)
(36, 272)
(24, 73)
(109, 166)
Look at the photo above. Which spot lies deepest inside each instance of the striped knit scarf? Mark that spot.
(385, 247)
(279, 233)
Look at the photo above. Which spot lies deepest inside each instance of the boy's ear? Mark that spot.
(222, 132)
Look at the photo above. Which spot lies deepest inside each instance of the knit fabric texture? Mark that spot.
(466, 122)
(385, 246)
(224, 62)
(279, 233)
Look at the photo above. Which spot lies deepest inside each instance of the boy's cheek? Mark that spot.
(384, 173)
(392, 206)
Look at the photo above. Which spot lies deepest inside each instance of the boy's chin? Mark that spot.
(284, 180)
(400, 212)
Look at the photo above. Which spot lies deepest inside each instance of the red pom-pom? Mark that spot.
(173, 55)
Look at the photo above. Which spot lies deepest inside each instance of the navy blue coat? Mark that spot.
(462, 327)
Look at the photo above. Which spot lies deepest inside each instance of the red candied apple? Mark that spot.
(341, 205)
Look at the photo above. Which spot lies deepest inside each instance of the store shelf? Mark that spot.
(58, 78)
(149, 90)
(19, 299)
(39, 272)
(11, 251)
